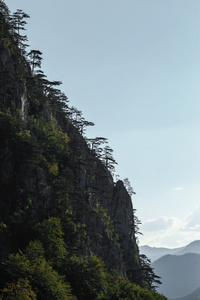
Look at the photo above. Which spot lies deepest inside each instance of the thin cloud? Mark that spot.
(192, 221)
(179, 188)
(195, 228)
(171, 232)
(161, 223)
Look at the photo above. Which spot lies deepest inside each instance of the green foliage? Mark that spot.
(28, 275)
(53, 143)
(51, 235)
(121, 289)
(31, 265)
(73, 232)
(103, 213)
(45, 191)
(87, 277)
(20, 139)
(20, 290)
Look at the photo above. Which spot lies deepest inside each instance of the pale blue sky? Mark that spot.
(133, 68)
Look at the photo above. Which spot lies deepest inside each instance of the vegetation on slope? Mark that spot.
(49, 187)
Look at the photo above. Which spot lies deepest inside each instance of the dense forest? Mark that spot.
(67, 229)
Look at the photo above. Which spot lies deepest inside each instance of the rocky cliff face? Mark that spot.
(13, 89)
(107, 208)
(109, 215)
(32, 167)
(66, 228)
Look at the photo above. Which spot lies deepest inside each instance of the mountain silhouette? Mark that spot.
(155, 253)
(180, 274)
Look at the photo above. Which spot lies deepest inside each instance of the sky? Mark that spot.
(133, 68)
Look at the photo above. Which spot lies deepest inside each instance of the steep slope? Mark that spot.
(67, 229)
(179, 274)
(29, 170)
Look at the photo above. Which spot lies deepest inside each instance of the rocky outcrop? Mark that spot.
(12, 82)
(28, 191)
(118, 249)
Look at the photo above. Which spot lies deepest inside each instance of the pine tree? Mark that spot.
(35, 59)
(17, 22)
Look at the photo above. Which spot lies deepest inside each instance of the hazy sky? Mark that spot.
(133, 68)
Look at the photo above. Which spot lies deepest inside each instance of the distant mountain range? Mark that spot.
(155, 253)
(180, 274)
(179, 270)
(193, 247)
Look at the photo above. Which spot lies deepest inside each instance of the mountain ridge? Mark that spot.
(155, 253)
(179, 274)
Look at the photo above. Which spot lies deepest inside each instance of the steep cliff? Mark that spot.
(91, 178)
(50, 176)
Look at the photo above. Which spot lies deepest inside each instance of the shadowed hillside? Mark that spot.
(68, 231)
